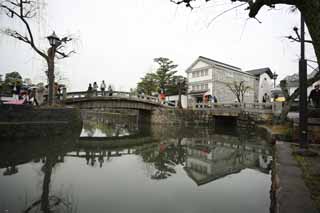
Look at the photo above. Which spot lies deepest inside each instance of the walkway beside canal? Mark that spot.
(292, 194)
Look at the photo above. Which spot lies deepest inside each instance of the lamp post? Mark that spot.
(303, 104)
(54, 42)
(275, 76)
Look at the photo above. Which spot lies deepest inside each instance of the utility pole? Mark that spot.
(303, 104)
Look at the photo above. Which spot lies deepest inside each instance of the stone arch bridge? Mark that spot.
(116, 100)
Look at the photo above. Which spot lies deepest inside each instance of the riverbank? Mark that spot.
(25, 121)
(295, 179)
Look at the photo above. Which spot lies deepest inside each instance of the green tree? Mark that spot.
(148, 84)
(165, 72)
(11, 79)
(174, 83)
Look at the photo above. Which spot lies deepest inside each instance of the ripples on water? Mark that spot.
(176, 170)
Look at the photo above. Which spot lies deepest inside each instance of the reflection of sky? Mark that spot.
(122, 185)
(99, 133)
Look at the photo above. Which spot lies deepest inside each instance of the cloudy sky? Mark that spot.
(116, 41)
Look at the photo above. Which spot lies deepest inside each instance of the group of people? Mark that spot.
(24, 95)
(94, 88)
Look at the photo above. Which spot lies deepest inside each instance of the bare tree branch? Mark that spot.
(64, 55)
(21, 16)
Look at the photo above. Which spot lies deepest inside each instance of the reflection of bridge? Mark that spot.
(118, 100)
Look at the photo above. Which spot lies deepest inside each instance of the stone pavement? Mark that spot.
(293, 196)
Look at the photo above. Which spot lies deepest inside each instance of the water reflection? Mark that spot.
(108, 124)
(181, 168)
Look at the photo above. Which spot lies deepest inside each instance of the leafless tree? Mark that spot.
(239, 89)
(26, 10)
(308, 8)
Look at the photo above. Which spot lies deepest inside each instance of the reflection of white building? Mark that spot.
(207, 163)
(210, 77)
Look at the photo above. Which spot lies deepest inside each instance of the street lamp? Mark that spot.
(275, 76)
(53, 39)
(54, 42)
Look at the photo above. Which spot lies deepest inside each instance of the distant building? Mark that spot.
(293, 81)
(263, 83)
(210, 77)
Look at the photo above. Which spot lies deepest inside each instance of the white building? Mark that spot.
(263, 83)
(209, 77)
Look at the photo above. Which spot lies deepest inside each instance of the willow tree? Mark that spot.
(25, 11)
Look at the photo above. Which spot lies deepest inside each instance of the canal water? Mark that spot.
(188, 170)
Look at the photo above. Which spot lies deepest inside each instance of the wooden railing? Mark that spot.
(113, 94)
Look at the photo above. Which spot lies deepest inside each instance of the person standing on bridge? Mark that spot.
(103, 88)
(89, 90)
(95, 88)
(110, 90)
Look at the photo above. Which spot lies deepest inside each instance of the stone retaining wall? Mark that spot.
(187, 117)
(19, 121)
(183, 117)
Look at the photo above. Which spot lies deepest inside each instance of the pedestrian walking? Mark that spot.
(103, 88)
(265, 98)
(314, 96)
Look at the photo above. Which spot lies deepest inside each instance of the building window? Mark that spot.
(206, 86)
(193, 75)
(206, 72)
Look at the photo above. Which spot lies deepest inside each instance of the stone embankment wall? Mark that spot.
(20, 121)
(182, 117)
(189, 117)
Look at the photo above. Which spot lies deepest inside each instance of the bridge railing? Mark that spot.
(236, 106)
(117, 94)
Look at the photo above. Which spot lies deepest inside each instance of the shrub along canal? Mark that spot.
(174, 170)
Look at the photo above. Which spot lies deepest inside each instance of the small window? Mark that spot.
(206, 72)
(193, 75)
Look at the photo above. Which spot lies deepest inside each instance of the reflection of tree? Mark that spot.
(48, 203)
(164, 157)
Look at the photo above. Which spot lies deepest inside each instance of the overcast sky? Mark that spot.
(116, 41)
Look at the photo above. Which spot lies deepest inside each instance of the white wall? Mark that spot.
(176, 98)
(265, 86)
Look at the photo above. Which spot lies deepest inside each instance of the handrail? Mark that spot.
(240, 106)
(117, 94)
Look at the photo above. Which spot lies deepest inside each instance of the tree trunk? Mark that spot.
(50, 63)
(179, 105)
(310, 10)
